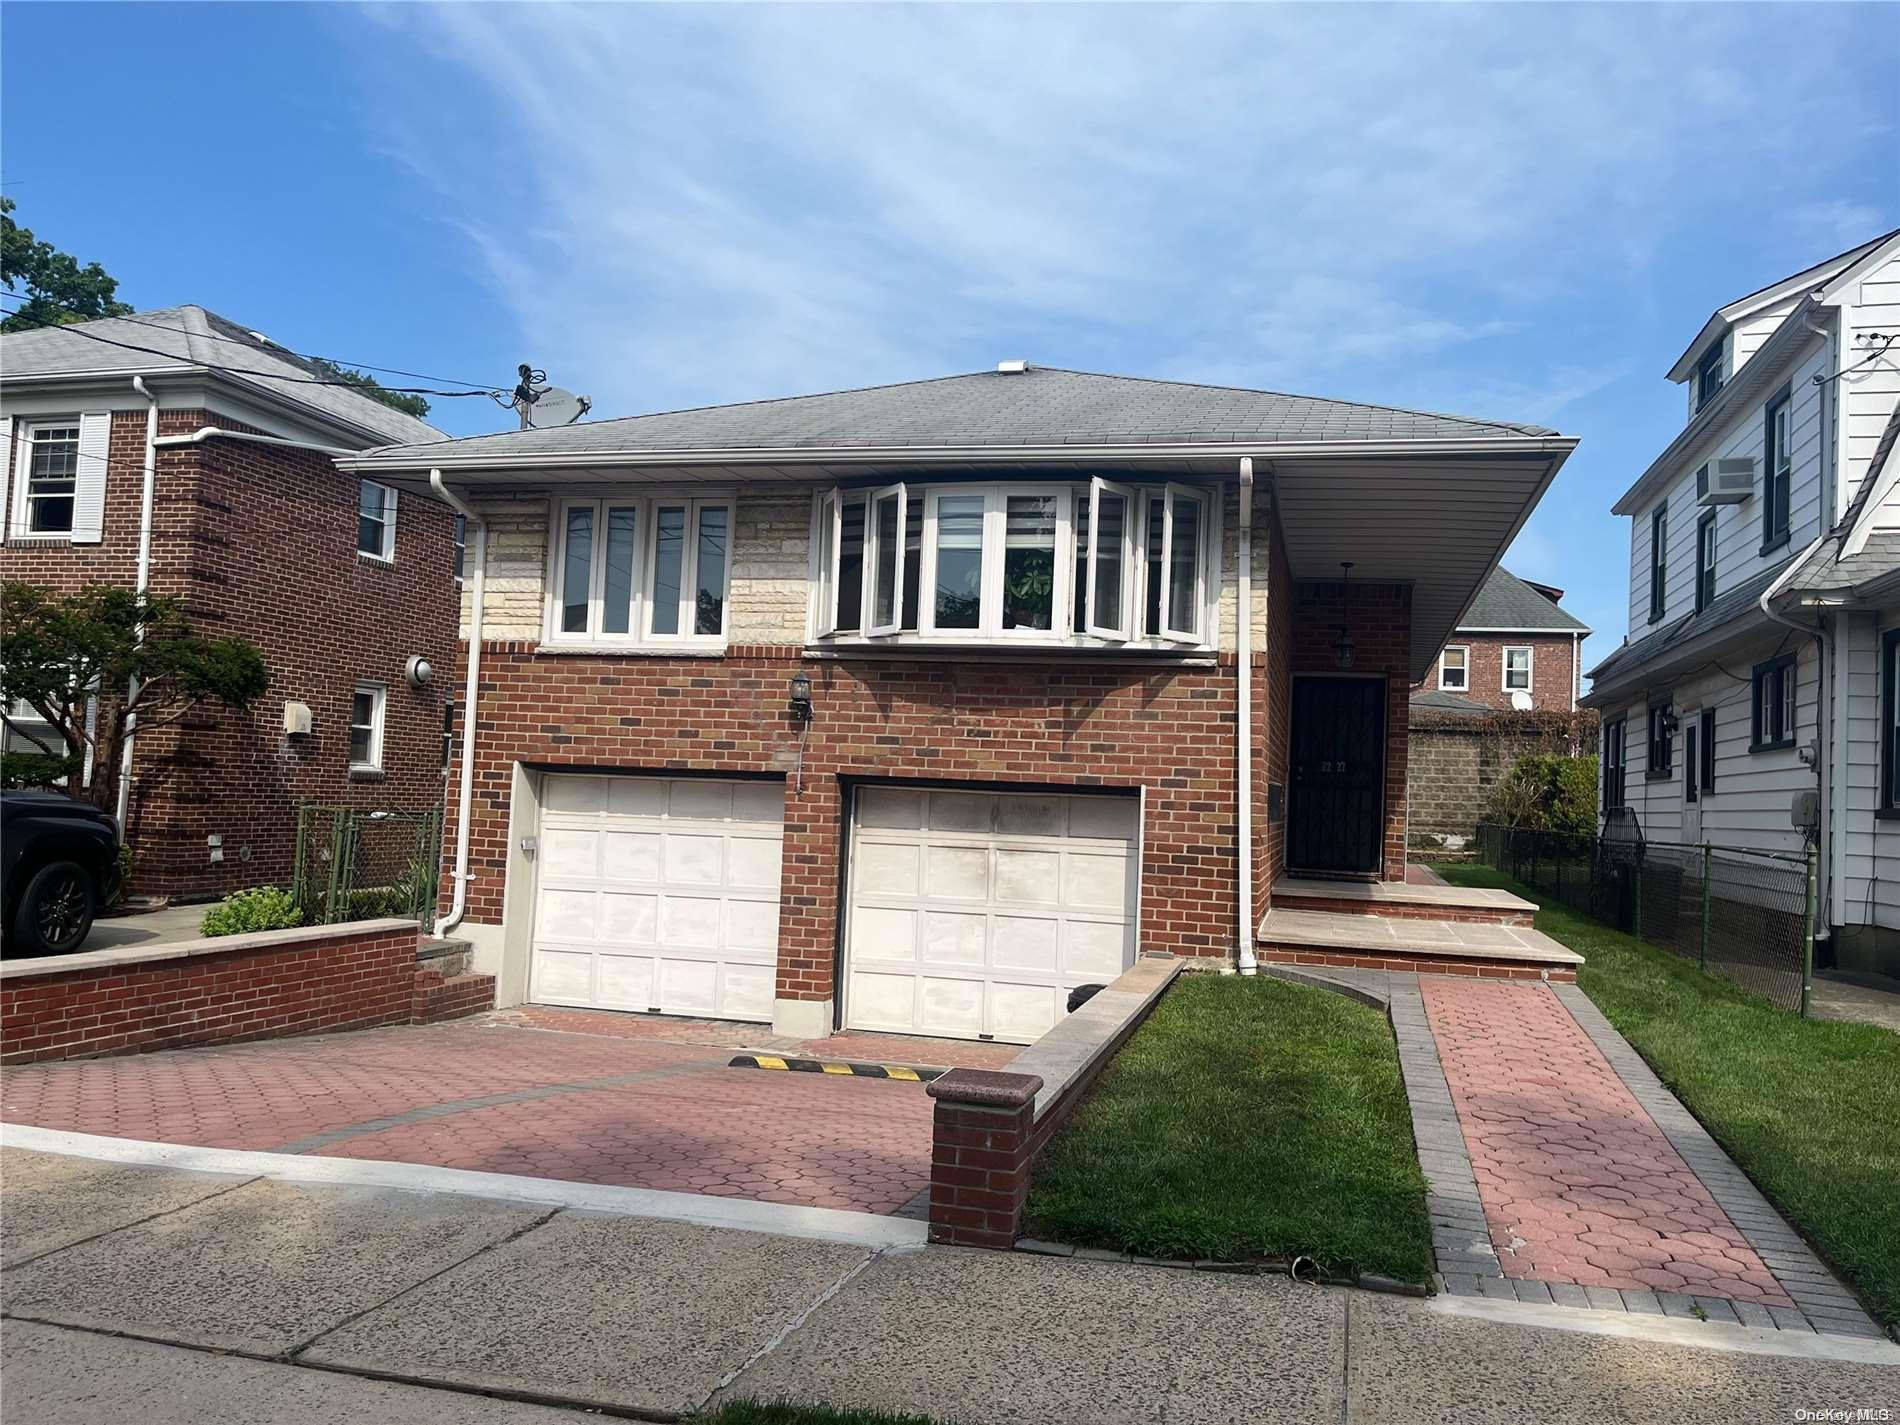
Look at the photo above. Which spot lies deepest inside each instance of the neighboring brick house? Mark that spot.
(1013, 600)
(338, 582)
(1515, 649)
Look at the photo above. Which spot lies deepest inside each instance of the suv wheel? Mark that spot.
(55, 913)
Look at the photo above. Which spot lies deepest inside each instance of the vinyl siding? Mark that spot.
(1753, 790)
(1869, 395)
(1738, 553)
(1868, 866)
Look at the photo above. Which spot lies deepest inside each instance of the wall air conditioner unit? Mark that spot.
(1731, 481)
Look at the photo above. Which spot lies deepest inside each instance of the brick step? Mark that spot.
(1402, 899)
(1438, 947)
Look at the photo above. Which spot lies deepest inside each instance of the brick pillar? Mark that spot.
(982, 1145)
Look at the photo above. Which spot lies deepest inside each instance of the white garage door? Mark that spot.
(975, 914)
(658, 894)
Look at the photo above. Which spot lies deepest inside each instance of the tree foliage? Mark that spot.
(57, 651)
(57, 289)
(1544, 792)
(374, 389)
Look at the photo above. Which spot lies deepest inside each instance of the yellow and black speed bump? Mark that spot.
(832, 1066)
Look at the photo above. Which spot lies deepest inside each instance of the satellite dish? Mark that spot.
(554, 407)
(1520, 700)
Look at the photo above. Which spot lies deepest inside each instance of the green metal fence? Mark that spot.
(358, 865)
(1745, 915)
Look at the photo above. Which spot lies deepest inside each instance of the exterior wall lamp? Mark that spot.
(800, 707)
(1342, 646)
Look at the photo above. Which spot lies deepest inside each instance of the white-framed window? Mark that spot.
(640, 570)
(367, 704)
(461, 546)
(1517, 670)
(50, 488)
(1090, 565)
(376, 521)
(1454, 669)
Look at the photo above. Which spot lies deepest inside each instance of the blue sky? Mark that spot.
(1519, 212)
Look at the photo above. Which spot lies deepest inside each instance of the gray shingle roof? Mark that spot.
(1507, 602)
(190, 337)
(1730, 604)
(1823, 569)
(1042, 406)
(1437, 700)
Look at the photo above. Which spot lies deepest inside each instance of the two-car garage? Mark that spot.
(968, 914)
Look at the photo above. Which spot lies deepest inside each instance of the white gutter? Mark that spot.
(477, 538)
(503, 460)
(144, 583)
(1243, 719)
(204, 433)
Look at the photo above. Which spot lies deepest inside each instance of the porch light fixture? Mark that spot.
(800, 708)
(1342, 646)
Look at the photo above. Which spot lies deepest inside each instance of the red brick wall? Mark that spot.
(1553, 669)
(297, 982)
(1379, 617)
(260, 542)
(1083, 725)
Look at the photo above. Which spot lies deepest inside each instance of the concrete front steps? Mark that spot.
(1482, 949)
(1403, 899)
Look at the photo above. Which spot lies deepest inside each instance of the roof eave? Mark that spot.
(421, 459)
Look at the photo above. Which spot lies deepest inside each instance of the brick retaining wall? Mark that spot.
(263, 986)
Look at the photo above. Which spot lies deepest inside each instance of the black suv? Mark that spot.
(61, 860)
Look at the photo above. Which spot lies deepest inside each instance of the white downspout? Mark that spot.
(144, 583)
(1243, 719)
(477, 538)
(204, 433)
(1824, 859)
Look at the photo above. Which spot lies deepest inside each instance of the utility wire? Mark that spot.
(492, 393)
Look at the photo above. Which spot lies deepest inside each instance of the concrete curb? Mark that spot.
(818, 1224)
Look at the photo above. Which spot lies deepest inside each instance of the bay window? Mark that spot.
(629, 571)
(1090, 564)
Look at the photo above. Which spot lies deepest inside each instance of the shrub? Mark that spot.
(1542, 792)
(260, 908)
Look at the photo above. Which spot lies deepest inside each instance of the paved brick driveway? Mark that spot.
(602, 1098)
(1579, 1184)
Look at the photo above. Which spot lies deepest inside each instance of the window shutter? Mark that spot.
(89, 486)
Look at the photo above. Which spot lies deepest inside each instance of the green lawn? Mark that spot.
(1247, 1119)
(1810, 1109)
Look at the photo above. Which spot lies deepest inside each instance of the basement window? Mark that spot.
(1096, 565)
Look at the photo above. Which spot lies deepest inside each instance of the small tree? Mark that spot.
(58, 651)
(405, 401)
(1542, 792)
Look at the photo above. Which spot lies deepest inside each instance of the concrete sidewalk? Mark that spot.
(356, 1303)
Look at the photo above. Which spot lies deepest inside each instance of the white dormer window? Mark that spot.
(1095, 565)
(1709, 376)
(1454, 669)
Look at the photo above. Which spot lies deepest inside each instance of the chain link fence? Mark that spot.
(360, 865)
(1744, 915)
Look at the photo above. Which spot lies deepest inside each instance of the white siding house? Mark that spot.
(1758, 661)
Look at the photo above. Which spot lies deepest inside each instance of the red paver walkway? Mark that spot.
(1578, 1182)
(621, 1109)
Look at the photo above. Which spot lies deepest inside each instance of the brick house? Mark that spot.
(337, 580)
(912, 708)
(1515, 649)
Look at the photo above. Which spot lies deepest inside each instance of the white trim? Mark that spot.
(379, 706)
(820, 1224)
(387, 553)
(1504, 667)
(1565, 632)
(1463, 687)
(874, 561)
(639, 635)
(21, 491)
(1092, 625)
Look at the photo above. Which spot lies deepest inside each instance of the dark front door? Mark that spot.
(1336, 812)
